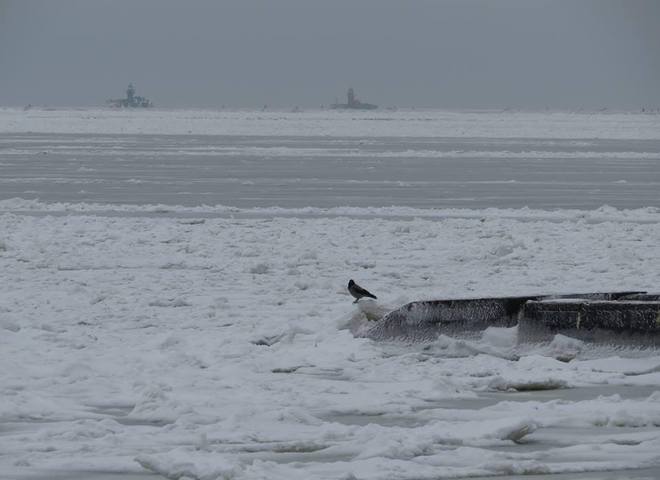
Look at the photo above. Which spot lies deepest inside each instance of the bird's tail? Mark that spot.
(372, 296)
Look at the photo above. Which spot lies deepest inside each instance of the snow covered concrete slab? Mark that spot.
(610, 321)
(613, 316)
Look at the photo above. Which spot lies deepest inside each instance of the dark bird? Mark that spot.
(358, 292)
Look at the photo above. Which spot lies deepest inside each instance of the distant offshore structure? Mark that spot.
(131, 100)
(354, 103)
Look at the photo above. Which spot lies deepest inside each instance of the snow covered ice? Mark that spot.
(154, 330)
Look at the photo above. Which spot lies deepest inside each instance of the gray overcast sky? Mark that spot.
(454, 54)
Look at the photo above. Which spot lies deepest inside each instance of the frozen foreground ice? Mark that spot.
(147, 341)
(219, 348)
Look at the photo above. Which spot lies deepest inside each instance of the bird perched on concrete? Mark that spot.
(358, 292)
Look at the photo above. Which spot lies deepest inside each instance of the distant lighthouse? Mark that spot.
(130, 94)
(354, 103)
(351, 98)
(131, 100)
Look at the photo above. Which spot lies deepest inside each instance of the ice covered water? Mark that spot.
(424, 159)
(294, 172)
(160, 317)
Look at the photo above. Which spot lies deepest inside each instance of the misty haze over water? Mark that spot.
(539, 54)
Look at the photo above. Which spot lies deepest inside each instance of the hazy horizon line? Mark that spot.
(302, 109)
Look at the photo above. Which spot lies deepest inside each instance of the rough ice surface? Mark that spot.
(217, 342)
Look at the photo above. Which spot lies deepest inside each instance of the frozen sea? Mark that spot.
(174, 303)
(331, 159)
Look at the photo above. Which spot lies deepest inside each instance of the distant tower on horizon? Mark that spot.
(351, 97)
(353, 103)
(130, 93)
(131, 100)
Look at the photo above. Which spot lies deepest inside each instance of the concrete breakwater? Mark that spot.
(607, 316)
